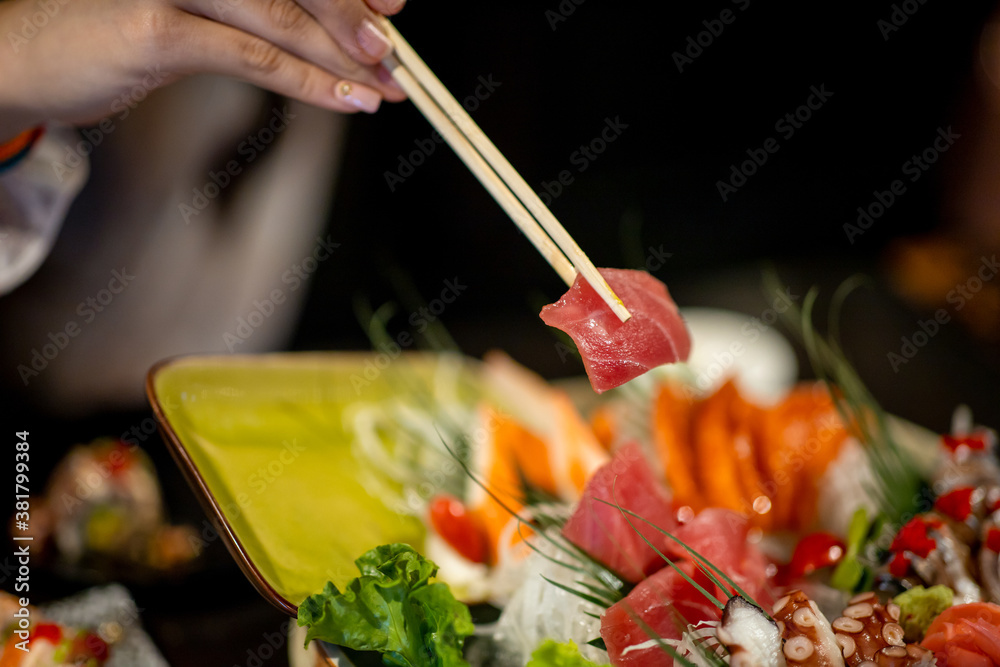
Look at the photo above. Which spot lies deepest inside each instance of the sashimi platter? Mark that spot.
(660, 521)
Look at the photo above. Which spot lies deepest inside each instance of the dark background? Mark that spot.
(654, 187)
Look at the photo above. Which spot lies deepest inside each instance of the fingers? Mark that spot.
(387, 7)
(354, 26)
(286, 24)
(210, 46)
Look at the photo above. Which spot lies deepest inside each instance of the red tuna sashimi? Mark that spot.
(656, 601)
(720, 535)
(613, 351)
(602, 531)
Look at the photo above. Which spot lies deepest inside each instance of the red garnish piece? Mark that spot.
(119, 458)
(957, 503)
(913, 537)
(459, 528)
(975, 441)
(613, 351)
(96, 646)
(993, 539)
(815, 551)
(899, 566)
(47, 631)
(89, 645)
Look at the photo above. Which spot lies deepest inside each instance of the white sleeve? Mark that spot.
(34, 197)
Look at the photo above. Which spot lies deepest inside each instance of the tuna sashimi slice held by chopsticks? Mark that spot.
(593, 307)
(613, 351)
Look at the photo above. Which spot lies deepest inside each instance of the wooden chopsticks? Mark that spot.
(493, 170)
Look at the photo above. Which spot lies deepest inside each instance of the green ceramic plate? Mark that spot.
(262, 442)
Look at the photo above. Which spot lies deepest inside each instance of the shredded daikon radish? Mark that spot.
(538, 611)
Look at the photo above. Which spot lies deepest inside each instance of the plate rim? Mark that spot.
(201, 490)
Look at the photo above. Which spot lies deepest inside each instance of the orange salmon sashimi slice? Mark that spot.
(723, 451)
(509, 457)
(672, 439)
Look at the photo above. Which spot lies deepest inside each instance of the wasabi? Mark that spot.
(919, 606)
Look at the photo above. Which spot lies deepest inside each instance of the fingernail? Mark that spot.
(395, 5)
(373, 41)
(359, 95)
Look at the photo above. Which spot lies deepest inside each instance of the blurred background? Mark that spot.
(655, 189)
(650, 124)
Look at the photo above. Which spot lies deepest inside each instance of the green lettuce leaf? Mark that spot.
(392, 608)
(553, 654)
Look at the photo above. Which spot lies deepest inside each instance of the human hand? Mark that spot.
(71, 60)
